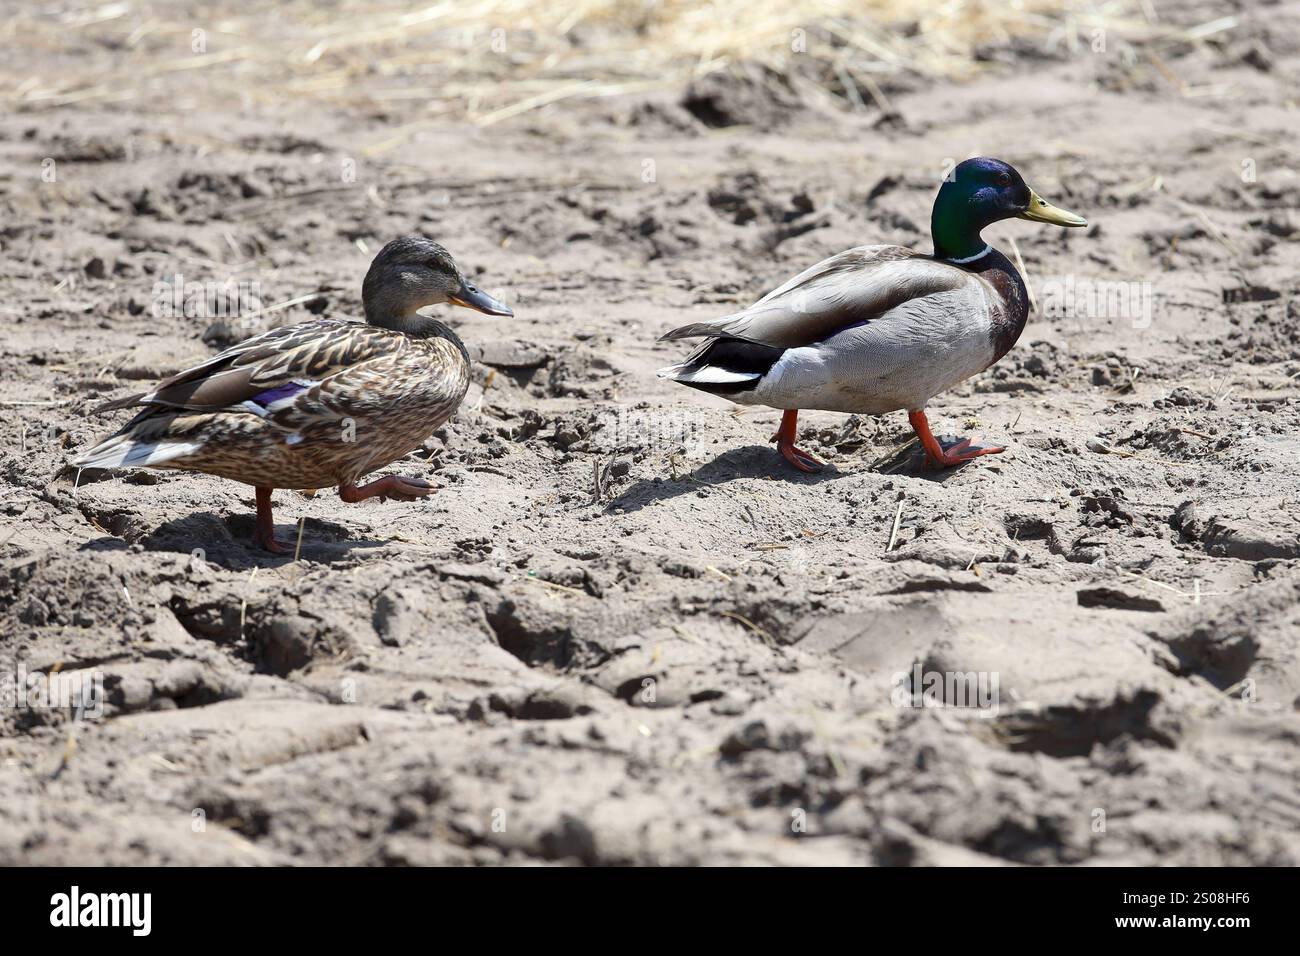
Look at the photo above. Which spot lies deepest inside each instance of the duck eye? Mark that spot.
(1004, 179)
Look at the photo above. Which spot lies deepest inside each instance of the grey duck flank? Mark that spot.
(880, 328)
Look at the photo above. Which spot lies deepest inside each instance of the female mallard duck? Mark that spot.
(881, 328)
(317, 404)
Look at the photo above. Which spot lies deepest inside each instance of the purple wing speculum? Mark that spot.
(278, 394)
(276, 398)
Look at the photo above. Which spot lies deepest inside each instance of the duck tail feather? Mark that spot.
(711, 374)
(710, 329)
(125, 451)
(117, 403)
(724, 366)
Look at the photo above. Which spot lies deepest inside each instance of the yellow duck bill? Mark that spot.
(1040, 210)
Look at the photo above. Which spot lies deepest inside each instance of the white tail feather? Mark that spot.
(705, 373)
(121, 451)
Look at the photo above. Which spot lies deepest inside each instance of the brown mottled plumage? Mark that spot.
(317, 404)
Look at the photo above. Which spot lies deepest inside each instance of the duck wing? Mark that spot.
(284, 360)
(292, 378)
(847, 289)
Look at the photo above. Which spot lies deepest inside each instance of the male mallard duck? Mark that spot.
(881, 328)
(317, 404)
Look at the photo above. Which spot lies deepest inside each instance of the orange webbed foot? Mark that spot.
(955, 454)
(784, 438)
(395, 487)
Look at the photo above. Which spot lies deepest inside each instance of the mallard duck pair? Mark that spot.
(871, 330)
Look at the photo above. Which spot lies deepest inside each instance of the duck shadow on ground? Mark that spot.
(761, 461)
(734, 464)
(228, 542)
(910, 461)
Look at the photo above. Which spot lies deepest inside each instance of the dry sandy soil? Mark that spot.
(624, 631)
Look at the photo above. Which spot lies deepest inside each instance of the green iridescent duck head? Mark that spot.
(977, 193)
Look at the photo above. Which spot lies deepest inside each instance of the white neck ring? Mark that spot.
(983, 252)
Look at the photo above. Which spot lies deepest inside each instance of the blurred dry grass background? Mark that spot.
(491, 60)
